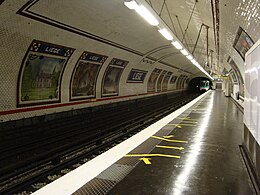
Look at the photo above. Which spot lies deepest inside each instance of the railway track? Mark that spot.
(47, 158)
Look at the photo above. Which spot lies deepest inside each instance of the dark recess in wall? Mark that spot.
(195, 83)
(1, 1)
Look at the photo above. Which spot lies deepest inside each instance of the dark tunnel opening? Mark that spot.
(200, 84)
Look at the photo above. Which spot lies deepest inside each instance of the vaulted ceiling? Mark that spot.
(112, 21)
(223, 18)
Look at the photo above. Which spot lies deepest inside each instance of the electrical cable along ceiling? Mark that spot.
(147, 11)
(208, 28)
(196, 33)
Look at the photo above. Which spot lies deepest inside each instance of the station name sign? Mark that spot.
(118, 62)
(87, 56)
(136, 76)
(48, 48)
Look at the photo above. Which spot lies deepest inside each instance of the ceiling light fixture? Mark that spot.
(193, 61)
(177, 45)
(184, 52)
(147, 15)
(189, 57)
(131, 4)
(167, 35)
(144, 10)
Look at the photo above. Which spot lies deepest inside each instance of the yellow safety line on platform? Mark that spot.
(152, 155)
(170, 147)
(146, 160)
(190, 121)
(177, 125)
(169, 140)
(181, 124)
(186, 119)
(168, 136)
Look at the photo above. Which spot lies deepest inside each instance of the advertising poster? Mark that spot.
(183, 81)
(152, 80)
(242, 42)
(233, 77)
(85, 75)
(173, 79)
(166, 81)
(224, 71)
(136, 76)
(159, 81)
(238, 75)
(178, 82)
(187, 81)
(110, 86)
(252, 97)
(41, 73)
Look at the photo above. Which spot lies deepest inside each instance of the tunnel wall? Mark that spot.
(24, 41)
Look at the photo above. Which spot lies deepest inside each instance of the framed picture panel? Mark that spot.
(85, 74)
(166, 81)
(173, 79)
(178, 82)
(160, 80)
(41, 73)
(151, 85)
(110, 83)
(243, 42)
(238, 75)
(233, 77)
(183, 81)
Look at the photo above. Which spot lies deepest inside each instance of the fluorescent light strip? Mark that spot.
(189, 57)
(177, 45)
(184, 52)
(195, 63)
(147, 15)
(131, 4)
(151, 19)
(167, 35)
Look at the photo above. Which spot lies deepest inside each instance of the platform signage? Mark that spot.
(87, 56)
(85, 74)
(118, 62)
(41, 73)
(136, 76)
(48, 48)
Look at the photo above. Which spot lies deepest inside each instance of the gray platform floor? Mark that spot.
(197, 153)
